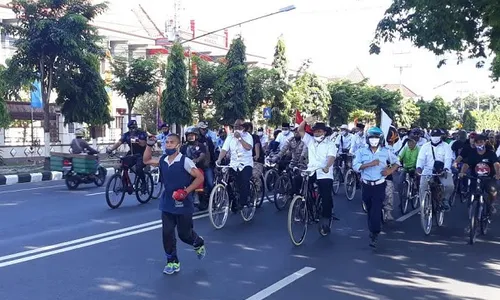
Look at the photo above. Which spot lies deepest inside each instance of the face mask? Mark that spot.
(480, 148)
(191, 142)
(374, 142)
(239, 131)
(286, 132)
(435, 139)
(260, 133)
(170, 151)
(319, 139)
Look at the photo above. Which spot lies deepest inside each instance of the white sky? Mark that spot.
(335, 34)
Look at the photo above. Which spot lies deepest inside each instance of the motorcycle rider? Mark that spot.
(79, 145)
(162, 137)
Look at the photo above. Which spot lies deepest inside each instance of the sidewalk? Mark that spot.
(37, 177)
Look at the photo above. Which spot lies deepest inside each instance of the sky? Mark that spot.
(334, 34)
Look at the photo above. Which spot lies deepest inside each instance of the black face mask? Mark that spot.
(191, 142)
(297, 138)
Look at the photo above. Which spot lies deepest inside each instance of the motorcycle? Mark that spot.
(86, 169)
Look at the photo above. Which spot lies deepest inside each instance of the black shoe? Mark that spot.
(373, 240)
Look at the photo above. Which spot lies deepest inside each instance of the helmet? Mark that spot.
(374, 132)
(132, 124)
(437, 132)
(79, 132)
(192, 130)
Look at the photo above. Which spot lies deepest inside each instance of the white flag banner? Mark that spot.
(385, 123)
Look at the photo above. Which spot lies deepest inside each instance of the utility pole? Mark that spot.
(401, 68)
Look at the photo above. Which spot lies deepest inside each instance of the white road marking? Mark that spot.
(408, 215)
(82, 245)
(31, 189)
(93, 194)
(281, 284)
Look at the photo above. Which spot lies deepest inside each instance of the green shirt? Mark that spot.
(409, 157)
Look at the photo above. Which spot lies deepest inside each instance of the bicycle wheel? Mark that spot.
(474, 216)
(218, 206)
(403, 197)
(337, 174)
(426, 214)
(270, 180)
(100, 178)
(157, 185)
(415, 196)
(260, 190)
(282, 190)
(485, 220)
(248, 212)
(297, 213)
(144, 188)
(350, 184)
(115, 187)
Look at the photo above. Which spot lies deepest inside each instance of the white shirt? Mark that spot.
(358, 142)
(189, 165)
(240, 157)
(264, 140)
(318, 154)
(283, 139)
(421, 142)
(425, 159)
(344, 142)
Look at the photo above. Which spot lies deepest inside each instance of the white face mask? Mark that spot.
(435, 139)
(260, 133)
(239, 131)
(319, 139)
(374, 142)
(286, 132)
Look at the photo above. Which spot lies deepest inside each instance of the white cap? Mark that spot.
(344, 126)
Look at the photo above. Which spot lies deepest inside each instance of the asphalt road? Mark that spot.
(60, 244)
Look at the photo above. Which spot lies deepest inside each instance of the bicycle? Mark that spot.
(352, 183)
(431, 205)
(271, 175)
(157, 185)
(478, 211)
(224, 194)
(125, 185)
(461, 189)
(283, 190)
(408, 191)
(306, 207)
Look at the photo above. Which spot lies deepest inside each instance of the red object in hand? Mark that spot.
(179, 195)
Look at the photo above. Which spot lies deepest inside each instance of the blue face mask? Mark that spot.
(170, 151)
(480, 148)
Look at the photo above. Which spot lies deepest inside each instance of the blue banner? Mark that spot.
(36, 95)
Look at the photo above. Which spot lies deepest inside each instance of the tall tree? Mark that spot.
(4, 113)
(259, 87)
(147, 106)
(134, 78)
(175, 106)
(310, 95)
(52, 36)
(201, 88)
(377, 98)
(346, 98)
(82, 95)
(280, 107)
(434, 114)
(468, 121)
(409, 113)
(466, 28)
(232, 90)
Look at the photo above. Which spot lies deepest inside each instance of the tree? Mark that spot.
(434, 114)
(309, 95)
(203, 79)
(147, 106)
(231, 98)
(362, 116)
(280, 106)
(4, 88)
(259, 87)
(346, 98)
(486, 102)
(378, 98)
(52, 36)
(409, 114)
(466, 28)
(175, 106)
(468, 121)
(82, 95)
(134, 78)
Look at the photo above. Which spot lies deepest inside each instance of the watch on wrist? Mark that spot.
(239, 139)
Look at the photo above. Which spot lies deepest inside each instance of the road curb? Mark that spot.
(37, 177)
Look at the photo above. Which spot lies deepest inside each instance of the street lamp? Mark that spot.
(281, 10)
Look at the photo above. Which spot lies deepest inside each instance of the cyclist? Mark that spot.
(206, 133)
(483, 163)
(435, 157)
(257, 153)
(284, 135)
(408, 158)
(136, 140)
(359, 139)
(176, 203)
(321, 154)
(371, 162)
(162, 137)
(264, 139)
(205, 137)
(240, 144)
(274, 145)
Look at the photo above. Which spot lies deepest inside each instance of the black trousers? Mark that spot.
(325, 187)
(373, 196)
(242, 180)
(184, 224)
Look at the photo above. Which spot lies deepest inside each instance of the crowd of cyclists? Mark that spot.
(439, 164)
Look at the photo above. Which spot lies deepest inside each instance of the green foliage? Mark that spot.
(362, 116)
(468, 121)
(259, 87)
(409, 114)
(281, 109)
(201, 95)
(309, 95)
(434, 114)
(466, 28)
(175, 106)
(4, 88)
(486, 120)
(470, 102)
(135, 78)
(82, 94)
(147, 106)
(231, 97)
(53, 37)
